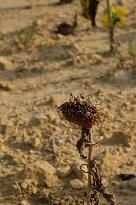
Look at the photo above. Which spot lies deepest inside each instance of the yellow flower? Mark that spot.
(116, 12)
(121, 22)
(119, 11)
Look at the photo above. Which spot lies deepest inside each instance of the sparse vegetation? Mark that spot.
(115, 16)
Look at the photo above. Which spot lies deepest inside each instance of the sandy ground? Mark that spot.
(39, 70)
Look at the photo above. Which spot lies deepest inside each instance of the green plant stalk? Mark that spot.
(111, 26)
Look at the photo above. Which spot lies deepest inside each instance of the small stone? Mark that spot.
(51, 116)
(38, 23)
(7, 128)
(44, 193)
(33, 138)
(24, 185)
(64, 171)
(53, 100)
(80, 59)
(34, 189)
(6, 86)
(97, 58)
(59, 36)
(48, 173)
(76, 48)
(5, 64)
(31, 151)
(77, 171)
(24, 202)
(119, 150)
(35, 142)
(76, 184)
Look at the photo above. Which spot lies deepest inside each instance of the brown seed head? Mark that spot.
(81, 111)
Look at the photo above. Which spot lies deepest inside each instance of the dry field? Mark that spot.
(38, 69)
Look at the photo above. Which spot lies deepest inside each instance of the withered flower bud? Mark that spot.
(81, 111)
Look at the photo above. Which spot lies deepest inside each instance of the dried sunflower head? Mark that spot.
(81, 111)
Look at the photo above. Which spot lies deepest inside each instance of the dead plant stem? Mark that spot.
(89, 168)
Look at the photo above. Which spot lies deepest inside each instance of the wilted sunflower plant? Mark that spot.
(89, 10)
(115, 16)
(83, 112)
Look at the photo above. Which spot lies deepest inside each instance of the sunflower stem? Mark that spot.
(89, 168)
(111, 26)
